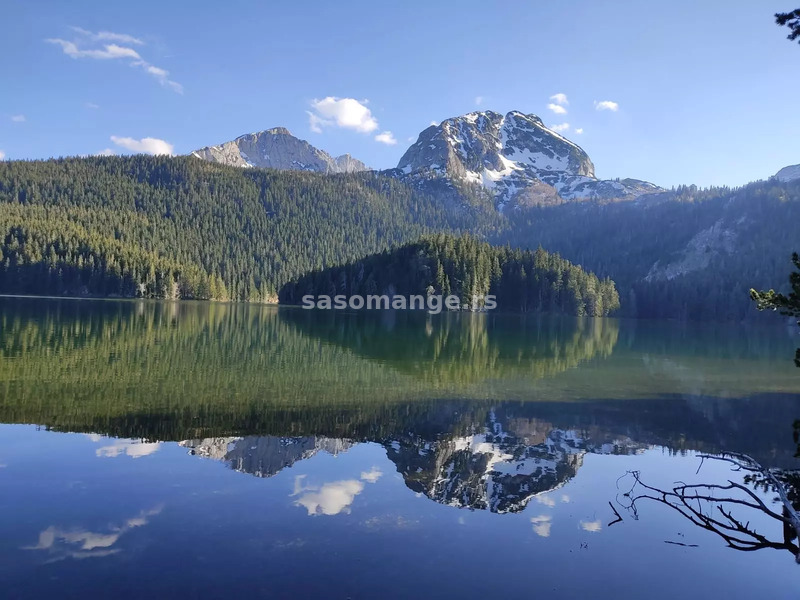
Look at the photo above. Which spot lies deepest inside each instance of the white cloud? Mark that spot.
(579, 130)
(560, 99)
(109, 51)
(314, 122)
(606, 105)
(18, 118)
(434, 123)
(2, 155)
(478, 100)
(593, 526)
(77, 48)
(347, 113)
(92, 105)
(386, 138)
(557, 108)
(106, 152)
(161, 75)
(108, 36)
(146, 145)
(542, 524)
(561, 127)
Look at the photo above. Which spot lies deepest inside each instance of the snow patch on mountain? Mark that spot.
(513, 156)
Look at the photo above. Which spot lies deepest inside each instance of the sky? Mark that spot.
(693, 92)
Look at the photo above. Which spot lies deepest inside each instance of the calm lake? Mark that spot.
(199, 450)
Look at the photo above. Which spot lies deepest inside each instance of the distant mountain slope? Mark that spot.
(693, 255)
(276, 148)
(787, 174)
(514, 157)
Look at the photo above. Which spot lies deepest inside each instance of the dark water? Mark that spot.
(155, 450)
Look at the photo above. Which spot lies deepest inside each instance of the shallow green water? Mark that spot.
(153, 449)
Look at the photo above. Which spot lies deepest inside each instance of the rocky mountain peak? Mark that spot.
(277, 131)
(514, 156)
(277, 148)
(787, 174)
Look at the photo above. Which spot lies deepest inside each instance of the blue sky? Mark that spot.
(706, 92)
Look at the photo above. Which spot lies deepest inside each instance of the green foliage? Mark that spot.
(183, 228)
(790, 20)
(466, 267)
(720, 241)
(788, 305)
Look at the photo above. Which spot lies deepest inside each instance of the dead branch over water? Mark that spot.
(711, 506)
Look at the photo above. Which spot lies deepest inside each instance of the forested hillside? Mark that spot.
(689, 254)
(445, 265)
(181, 227)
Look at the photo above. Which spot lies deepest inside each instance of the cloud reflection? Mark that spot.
(62, 543)
(372, 475)
(593, 526)
(124, 447)
(541, 525)
(334, 497)
(546, 500)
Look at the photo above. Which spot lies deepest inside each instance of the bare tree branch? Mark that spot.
(710, 505)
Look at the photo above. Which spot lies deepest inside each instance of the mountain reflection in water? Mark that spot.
(498, 469)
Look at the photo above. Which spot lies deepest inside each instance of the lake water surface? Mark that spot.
(198, 450)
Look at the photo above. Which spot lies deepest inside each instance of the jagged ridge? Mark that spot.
(514, 157)
(277, 148)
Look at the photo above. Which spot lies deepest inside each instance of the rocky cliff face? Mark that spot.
(514, 157)
(278, 149)
(787, 174)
